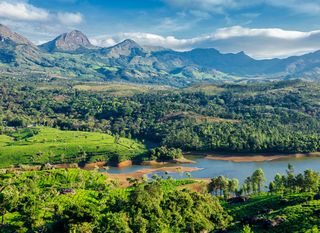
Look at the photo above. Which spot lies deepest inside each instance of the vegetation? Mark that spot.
(280, 117)
(42, 145)
(163, 153)
(45, 120)
(81, 201)
(73, 200)
(291, 205)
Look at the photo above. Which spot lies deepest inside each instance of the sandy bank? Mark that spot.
(122, 178)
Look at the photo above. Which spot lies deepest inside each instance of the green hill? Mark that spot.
(276, 213)
(42, 145)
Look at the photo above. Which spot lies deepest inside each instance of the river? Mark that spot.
(212, 168)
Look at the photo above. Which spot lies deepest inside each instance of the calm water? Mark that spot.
(212, 168)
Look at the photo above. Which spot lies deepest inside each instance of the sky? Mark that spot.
(260, 28)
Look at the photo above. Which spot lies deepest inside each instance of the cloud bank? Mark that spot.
(258, 43)
(37, 24)
(23, 11)
(70, 18)
(222, 6)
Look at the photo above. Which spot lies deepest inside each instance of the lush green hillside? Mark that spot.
(276, 213)
(73, 200)
(41, 145)
(276, 117)
(81, 201)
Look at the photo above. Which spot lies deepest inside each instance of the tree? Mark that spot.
(279, 183)
(233, 186)
(258, 178)
(272, 187)
(290, 181)
(314, 229)
(247, 186)
(311, 180)
(247, 229)
(222, 184)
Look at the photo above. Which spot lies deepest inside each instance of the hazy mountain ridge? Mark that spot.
(71, 55)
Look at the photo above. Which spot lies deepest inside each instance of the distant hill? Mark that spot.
(74, 41)
(72, 56)
(18, 52)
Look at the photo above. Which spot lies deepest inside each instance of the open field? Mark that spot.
(58, 146)
(119, 89)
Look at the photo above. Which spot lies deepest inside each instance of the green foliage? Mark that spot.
(163, 153)
(280, 117)
(290, 183)
(83, 201)
(223, 186)
(41, 145)
(297, 213)
(247, 229)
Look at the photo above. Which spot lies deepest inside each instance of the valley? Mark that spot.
(136, 138)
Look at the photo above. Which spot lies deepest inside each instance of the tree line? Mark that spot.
(277, 117)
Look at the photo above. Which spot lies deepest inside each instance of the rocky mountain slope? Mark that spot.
(72, 56)
(73, 42)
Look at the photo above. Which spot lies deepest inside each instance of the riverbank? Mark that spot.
(245, 157)
(173, 161)
(97, 165)
(122, 179)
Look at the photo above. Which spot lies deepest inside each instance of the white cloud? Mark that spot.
(36, 23)
(217, 6)
(143, 39)
(221, 6)
(70, 18)
(22, 11)
(259, 43)
(238, 31)
(307, 6)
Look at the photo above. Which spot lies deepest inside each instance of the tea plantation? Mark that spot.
(41, 145)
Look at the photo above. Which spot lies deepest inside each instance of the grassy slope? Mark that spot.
(119, 89)
(299, 211)
(65, 146)
(4, 140)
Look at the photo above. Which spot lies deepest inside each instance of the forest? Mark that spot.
(75, 200)
(45, 122)
(277, 117)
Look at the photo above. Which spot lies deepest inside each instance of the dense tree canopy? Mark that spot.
(81, 201)
(276, 117)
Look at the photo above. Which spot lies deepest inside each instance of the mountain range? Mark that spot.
(72, 56)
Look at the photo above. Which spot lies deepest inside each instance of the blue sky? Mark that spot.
(261, 28)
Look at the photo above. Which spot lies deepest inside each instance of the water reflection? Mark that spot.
(212, 168)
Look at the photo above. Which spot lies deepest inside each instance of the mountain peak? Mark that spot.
(129, 43)
(7, 34)
(69, 42)
(127, 47)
